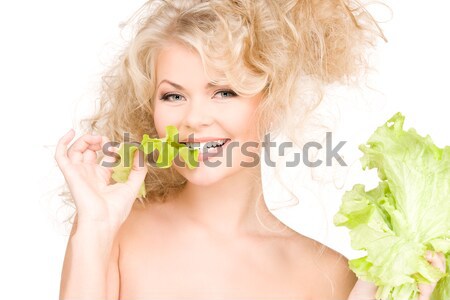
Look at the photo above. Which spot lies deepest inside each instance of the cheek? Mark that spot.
(241, 120)
(163, 117)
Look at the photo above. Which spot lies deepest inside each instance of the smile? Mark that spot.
(206, 145)
(208, 149)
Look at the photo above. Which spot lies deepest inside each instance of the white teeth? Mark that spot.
(206, 145)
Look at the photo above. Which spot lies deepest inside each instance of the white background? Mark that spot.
(51, 57)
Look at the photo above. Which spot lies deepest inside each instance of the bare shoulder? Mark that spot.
(321, 268)
(133, 220)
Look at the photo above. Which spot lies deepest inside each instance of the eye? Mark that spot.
(170, 97)
(227, 93)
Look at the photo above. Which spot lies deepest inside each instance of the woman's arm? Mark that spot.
(90, 269)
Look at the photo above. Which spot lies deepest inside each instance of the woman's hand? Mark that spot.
(364, 290)
(88, 181)
(437, 260)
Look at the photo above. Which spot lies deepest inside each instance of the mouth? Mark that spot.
(207, 146)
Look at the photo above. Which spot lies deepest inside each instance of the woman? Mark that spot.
(224, 73)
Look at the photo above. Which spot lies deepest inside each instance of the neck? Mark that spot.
(229, 207)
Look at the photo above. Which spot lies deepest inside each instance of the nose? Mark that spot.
(198, 115)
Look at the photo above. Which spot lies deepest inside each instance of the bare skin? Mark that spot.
(165, 256)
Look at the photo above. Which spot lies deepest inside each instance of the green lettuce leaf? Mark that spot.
(407, 214)
(168, 148)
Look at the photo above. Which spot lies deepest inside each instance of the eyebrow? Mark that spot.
(208, 85)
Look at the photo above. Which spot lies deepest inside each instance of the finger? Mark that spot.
(443, 265)
(437, 260)
(90, 156)
(109, 154)
(61, 149)
(138, 171)
(95, 147)
(363, 290)
(76, 150)
(425, 291)
(106, 159)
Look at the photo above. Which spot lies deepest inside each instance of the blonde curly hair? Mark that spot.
(268, 46)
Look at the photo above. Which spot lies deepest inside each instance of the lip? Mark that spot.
(203, 156)
(203, 140)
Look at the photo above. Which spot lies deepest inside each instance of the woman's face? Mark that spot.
(204, 113)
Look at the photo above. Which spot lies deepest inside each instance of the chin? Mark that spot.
(206, 175)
